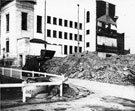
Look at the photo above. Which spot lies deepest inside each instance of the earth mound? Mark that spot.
(88, 65)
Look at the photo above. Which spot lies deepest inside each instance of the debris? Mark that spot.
(89, 66)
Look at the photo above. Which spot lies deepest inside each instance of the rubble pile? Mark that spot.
(88, 65)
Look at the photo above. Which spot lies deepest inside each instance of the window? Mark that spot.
(60, 34)
(70, 24)
(75, 48)
(54, 33)
(87, 44)
(7, 46)
(70, 49)
(60, 22)
(88, 16)
(65, 23)
(80, 26)
(80, 37)
(71, 36)
(54, 20)
(24, 21)
(75, 25)
(39, 24)
(80, 49)
(48, 33)
(65, 35)
(75, 37)
(65, 49)
(87, 32)
(49, 19)
(7, 22)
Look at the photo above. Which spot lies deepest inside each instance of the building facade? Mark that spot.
(53, 21)
(68, 26)
(16, 22)
(108, 41)
(61, 26)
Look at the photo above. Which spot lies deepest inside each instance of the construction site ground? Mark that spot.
(107, 81)
(105, 97)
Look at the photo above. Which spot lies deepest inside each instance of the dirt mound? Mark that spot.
(88, 65)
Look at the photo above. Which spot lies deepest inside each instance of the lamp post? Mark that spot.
(0, 26)
(45, 24)
(78, 31)
(84, 29)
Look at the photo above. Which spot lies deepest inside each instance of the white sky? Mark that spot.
(125, 10)
(126, 21)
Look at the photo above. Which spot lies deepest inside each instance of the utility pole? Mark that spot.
(78, 31)
(0, 26)
(45, 24)
(84, 29)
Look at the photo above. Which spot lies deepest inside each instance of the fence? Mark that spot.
(24, 85)
(18, 73)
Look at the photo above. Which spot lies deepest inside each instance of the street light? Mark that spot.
(45, 23)
(78, 30)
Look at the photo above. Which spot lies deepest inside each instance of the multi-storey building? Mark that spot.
(108, 41)
(16, 23)
(66, 25)
(53, 21)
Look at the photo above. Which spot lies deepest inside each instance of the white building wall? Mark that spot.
(90, 5)
(64, 9)
(10, 35)
(67, 10)
(29, 9)
(14, 9)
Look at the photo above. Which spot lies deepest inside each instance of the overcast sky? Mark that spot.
(125, 11)
(126, 21)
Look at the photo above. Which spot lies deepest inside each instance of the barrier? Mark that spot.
(18, 73)
(24, 84)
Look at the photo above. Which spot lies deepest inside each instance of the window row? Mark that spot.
(23, 21)
(63, 22)
(54, 20)
(63, 35)
(71, 23)
(71, 49)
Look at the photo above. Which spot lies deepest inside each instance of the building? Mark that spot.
(109, 41)
(62, 25)
(68, 26)
(23, 20)
(16, 23)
